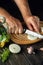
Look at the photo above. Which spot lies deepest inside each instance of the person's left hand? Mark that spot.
(14, 25)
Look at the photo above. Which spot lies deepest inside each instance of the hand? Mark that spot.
(32, 23)
(14, 25)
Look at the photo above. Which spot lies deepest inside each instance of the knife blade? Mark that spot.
(29, 32)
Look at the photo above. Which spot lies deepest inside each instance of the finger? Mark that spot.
(17, 30)
(9, 30)
(38, 24)
(30, 27)
(13, 30)
(36, 18)
(20, 27)
(37, 21)
(35, 26)
(15, 27)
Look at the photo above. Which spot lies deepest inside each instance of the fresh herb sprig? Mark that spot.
(4, 54)
(4, 36)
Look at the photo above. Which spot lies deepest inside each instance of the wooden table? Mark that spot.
(23, 58)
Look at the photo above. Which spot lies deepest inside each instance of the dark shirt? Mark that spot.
(36, 7)
(12, 8)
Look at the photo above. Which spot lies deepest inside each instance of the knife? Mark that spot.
(29, 32)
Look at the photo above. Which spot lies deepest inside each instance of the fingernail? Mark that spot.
(15, 32)
(20, 31)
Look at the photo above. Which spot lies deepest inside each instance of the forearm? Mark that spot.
(24, 8)
(5, 14)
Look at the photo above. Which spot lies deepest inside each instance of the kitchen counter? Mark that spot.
(23, 58)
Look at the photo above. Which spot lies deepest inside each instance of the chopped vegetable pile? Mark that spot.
(4, 54)
(4, 36)
(4, 39)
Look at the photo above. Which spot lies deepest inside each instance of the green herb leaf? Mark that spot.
(5, 54)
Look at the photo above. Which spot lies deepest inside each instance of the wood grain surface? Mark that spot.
(23, 58)
(22, 38)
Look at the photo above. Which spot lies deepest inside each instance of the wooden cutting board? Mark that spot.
(22, 38)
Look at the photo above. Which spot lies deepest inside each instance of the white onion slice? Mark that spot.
(30, 37)
(14, 48)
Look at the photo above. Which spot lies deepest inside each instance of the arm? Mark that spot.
(14, 25)
(31, 21)
(24, 8)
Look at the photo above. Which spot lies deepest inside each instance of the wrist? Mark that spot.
(27, 17)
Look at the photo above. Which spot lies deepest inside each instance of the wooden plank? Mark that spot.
(23, 58)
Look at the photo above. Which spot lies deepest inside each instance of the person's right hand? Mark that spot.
(33, 24)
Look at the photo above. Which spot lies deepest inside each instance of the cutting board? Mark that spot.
(22, 38)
